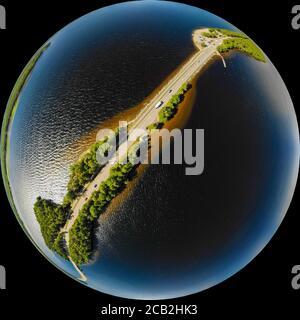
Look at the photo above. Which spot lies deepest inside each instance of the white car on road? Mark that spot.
(158, 105)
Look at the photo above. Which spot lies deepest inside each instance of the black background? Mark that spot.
(37, 289)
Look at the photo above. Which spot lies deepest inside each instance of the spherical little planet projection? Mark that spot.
(98, 95)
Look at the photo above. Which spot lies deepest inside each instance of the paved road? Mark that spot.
(146, 117)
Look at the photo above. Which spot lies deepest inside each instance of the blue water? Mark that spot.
(175, 234)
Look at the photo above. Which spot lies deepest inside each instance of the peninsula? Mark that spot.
(68, 228)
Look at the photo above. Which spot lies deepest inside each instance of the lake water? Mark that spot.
(175, 234)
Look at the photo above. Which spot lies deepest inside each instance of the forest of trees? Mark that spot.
(169, 111)
(236, 41)
(245, 45)
(59, 246)
(81, 234)
(84, 170)
(211, 34)
(51, 217)
(227, 33)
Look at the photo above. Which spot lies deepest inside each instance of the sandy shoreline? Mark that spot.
(179, 121)
(132, 112)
